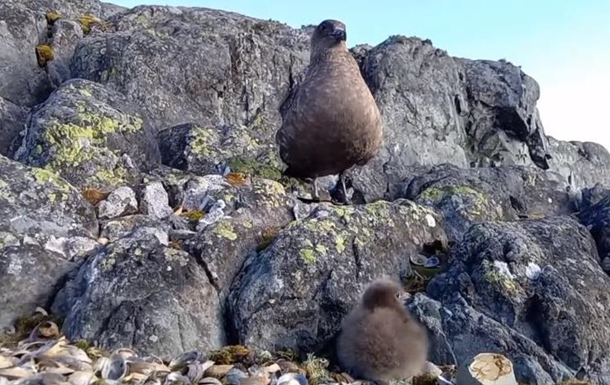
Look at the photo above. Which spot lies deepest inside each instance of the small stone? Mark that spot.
(155, 201)
(430, 220)
(121, 201)
(80, 246)
(235, 376)
(292, 379)
(216, 212)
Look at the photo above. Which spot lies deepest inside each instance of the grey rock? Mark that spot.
(30, 276)
(293, 294)
(253, 215)
(137, 292)
(35, 201)
(525, 289)
(12, 121)
(597, 220)
(40, 214)
(583, 164)
(155, 201)
(65, 35)
(82, 132)
(504, 125)
(475, 195)
(121, 201)
(124, 226)
(197, 65)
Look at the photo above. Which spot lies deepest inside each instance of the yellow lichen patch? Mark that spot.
(94, 196)
(308, 256)
(230, 355)
(43, 177)
(340, 243)
(52, 17)
(87, 22)
(236, 179)
(225, 230)
(44, 54)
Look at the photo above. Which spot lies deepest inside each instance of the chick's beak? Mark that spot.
(339, 33)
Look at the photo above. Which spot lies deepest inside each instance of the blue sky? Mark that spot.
(563, 44)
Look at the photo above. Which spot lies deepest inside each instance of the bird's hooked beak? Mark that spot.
(338, 33)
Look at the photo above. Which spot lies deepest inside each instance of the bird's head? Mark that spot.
(328, 34)
(383, 292)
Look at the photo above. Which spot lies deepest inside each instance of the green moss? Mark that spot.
(254, 167)
(230, 355)
(308, 256)
(44, 54)
(225, 230)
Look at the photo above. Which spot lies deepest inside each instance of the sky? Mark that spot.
(563, 44)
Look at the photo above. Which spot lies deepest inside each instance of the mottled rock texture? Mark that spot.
(146, 202)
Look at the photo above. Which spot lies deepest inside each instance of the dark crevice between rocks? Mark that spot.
(201, 262)
(535, 320)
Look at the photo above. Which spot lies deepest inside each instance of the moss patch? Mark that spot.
(52, 17)
(254, 167)
(230, 355)
(44, 54)
(87, 22)
(437, 194)
(44, 177)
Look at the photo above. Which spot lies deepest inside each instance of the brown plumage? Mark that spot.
(379, 340)
(333, 122)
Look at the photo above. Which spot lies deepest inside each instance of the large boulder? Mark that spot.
(421, 96)
(139, 292)
(90, 136)
(44, 225)
(533, 290)
(504, 126)
(293, 294)
(196, 65)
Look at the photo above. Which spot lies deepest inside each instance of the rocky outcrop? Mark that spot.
(153, 199)
(526, 288)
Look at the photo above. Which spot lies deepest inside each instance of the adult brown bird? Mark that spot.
(379, 340)
(333, 122)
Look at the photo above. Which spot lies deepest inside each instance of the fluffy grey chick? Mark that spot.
(379, 340)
